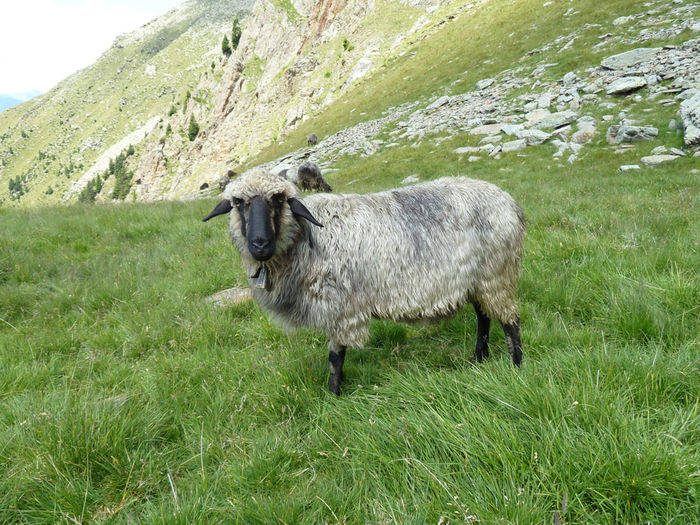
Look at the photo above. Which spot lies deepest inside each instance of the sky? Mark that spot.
(44, 41)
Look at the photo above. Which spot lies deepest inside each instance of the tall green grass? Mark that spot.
(125, 398)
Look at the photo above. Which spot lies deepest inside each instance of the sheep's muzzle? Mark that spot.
(261, 236)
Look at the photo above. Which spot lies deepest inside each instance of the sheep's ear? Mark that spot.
(221, 208)
(300, 210)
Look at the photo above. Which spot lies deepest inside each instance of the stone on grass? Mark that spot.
(629, 167)
(483, 84)
(229, 297)
(626, 134)
(630, 58)
(488, 129)
(625, 85)
(439, 102)
(514, 145)
(690, 115)
(411, 179)
(557, 120)
(467, 150)
(655, 160)
(533, 137)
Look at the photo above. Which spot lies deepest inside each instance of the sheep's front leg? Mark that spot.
(336, 357)
(512, 332)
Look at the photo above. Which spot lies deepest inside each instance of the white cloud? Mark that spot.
(44, 41)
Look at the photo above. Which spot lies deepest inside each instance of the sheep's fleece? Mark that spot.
(414, 253)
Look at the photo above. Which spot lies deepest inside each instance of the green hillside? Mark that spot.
(127, 398)
(51, 140)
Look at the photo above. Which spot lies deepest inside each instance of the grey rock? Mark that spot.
(629, 167)
(630, 58)
(659, 150)
(483, 84)
(488, 148)
(511, 129)
(626, 133)
(673, 125)
(474, 158)
(533, 117)
(655, 160)
(690, 115)
(439, 102)
(676, 151)
(229, 297)
(488, 129)
(557, 120)
(533, 137)
(490, 139)
(411, 179)
(467, 150)
(688, 93)
(625, 85)
(586, 130)
(514, 145)
(569, 79)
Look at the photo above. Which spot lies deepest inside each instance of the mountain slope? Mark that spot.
(54, 139)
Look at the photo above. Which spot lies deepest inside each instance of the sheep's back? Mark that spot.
(417, 252)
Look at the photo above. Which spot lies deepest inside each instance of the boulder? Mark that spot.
(514, 145)
(557, 120)
(690, 115)
(625, 85)
(655, 160)
(630, 58)
(627, 133)
(483, 84)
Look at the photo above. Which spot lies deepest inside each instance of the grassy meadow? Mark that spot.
(125, 398)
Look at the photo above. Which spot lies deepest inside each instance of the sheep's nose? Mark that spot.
(260, 244)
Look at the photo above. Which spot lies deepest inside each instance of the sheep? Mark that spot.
(333, 262)
(312, 139)
(308, 177)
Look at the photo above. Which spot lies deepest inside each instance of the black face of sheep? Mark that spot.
(260, 220)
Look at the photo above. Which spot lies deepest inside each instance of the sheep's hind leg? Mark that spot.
(482, 335)
(336, 358)
(512, 332)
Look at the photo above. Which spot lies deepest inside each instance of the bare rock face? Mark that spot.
(153, 167)
(690, 114)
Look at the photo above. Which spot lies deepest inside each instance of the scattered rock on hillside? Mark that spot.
(627, 133)
(655, 160)
(630, 58)
(629, 167)
(485, 83)
(625, 85)
(586, 130)
(690, 115)
(514, 145)
(557, 120)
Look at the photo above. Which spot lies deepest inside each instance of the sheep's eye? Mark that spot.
(278, 198)
(236, 201)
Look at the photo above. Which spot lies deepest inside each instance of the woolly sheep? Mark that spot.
(312, 139)
(332, 262)
(309, 178)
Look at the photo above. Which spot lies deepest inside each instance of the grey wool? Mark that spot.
(414, 253)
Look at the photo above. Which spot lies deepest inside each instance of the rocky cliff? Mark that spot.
(294, 59)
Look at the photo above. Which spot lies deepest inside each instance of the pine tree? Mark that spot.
(235, 33)
(193, 130)
(225, 46)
